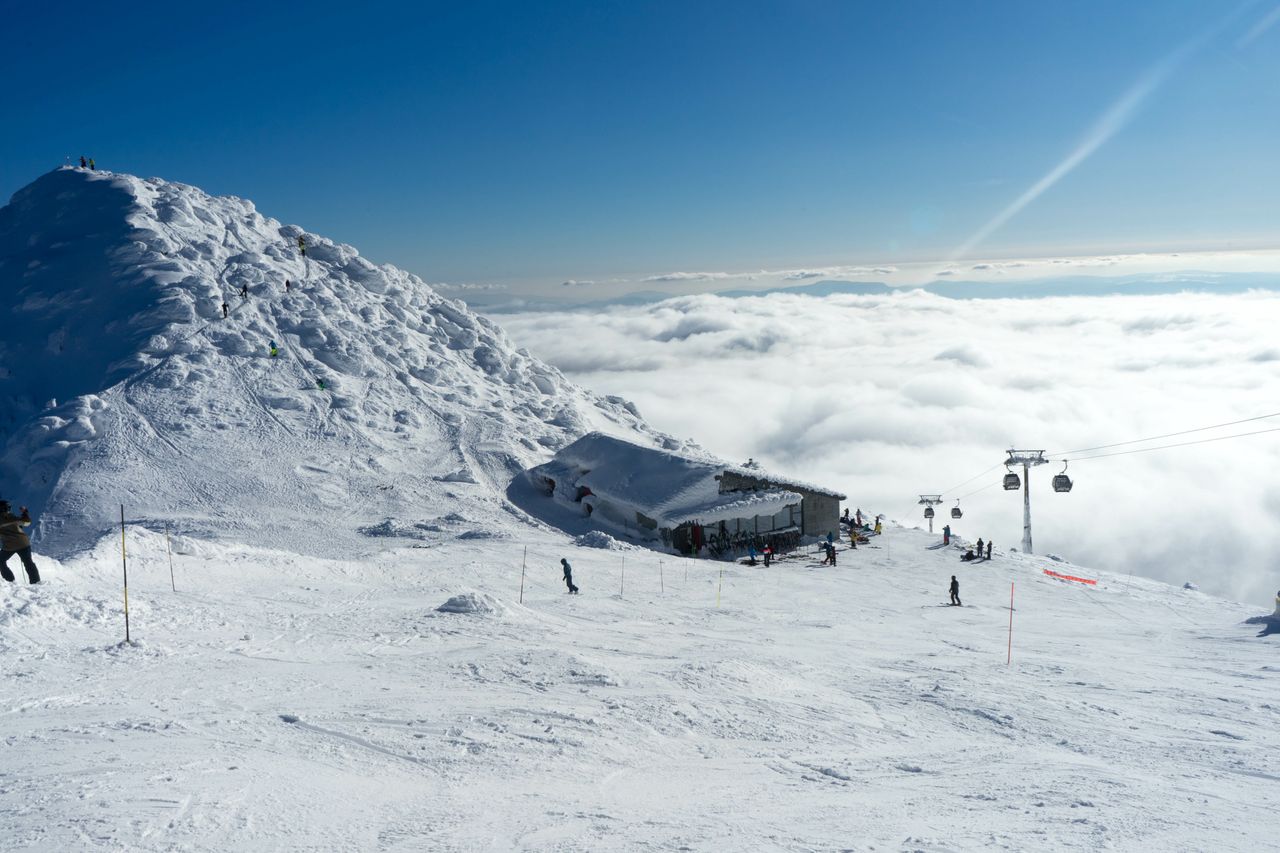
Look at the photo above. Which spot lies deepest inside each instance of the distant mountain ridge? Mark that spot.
(1081, 285)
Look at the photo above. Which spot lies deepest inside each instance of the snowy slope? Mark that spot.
(812, 709)
(121, 383)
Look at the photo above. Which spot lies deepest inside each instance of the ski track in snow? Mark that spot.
(279, 701)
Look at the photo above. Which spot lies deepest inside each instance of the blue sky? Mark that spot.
(538, 142)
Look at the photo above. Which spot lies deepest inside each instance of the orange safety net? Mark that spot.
(1054, 574)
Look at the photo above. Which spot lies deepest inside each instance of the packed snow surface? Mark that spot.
(276, 701)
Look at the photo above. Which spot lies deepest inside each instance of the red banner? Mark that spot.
(1054, 574)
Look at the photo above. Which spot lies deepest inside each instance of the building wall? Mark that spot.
(821, 514)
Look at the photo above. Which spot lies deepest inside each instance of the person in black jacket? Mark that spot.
(955, 591)
(568, 576)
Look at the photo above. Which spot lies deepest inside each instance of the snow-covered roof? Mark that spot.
(668, 487)
(782, 482)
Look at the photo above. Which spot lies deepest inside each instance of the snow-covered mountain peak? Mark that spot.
(383, 407)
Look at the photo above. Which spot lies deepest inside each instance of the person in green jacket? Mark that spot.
(14, 541)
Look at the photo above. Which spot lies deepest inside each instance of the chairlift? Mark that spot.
(928, 512)
(955, 511)
(1061, 482)
(1012, 482)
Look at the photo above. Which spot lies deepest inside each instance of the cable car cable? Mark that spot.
(1167, 446)
(1166, 435)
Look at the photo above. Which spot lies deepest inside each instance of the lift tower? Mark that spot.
(930, 501)
(1028, 459)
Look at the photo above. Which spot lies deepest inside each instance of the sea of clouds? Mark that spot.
(887, 397)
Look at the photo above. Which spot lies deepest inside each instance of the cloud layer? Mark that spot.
(887, 397)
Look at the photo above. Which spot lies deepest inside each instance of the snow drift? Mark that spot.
(122, 383)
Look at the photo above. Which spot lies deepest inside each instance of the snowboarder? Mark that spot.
(967, 556)
(955, 591)
(83, 164)
(946, 534)
(224, 309)
(14, 541)
(979, 547)
(320, 384)
(287, 285)
(274, 351)
(989, 546)
(244, 291)
(302, 245)
(568, 576)
(768, 555)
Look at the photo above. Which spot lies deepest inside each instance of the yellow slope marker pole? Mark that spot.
(169, 547)
(523, 563)
(124, 564)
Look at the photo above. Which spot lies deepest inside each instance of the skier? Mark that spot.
(14, 541)
(831, 552)
(955, 591)
(831, 539)
(244, 291)
(768, 554)
(979, 547)
(858, 516)
(274, 351)
(989, 547)
(853, 539)
(751, 554)
(568, 576)
(287, 285)
(946, 534)
(320, 384)
(302, 245)
(877, 525)
(224, 309)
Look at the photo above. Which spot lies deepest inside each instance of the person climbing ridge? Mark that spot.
(14, 541)
(302, 245)
(568, 576)
(989, 547)
(955, 591)
(274, 351)
(287, 285)
(92, 165)
(224, 309)
(244, 291)
(83, 164)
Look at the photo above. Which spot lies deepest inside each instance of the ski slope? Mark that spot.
(284, 702)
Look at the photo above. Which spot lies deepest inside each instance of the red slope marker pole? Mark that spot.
(1009, 661)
